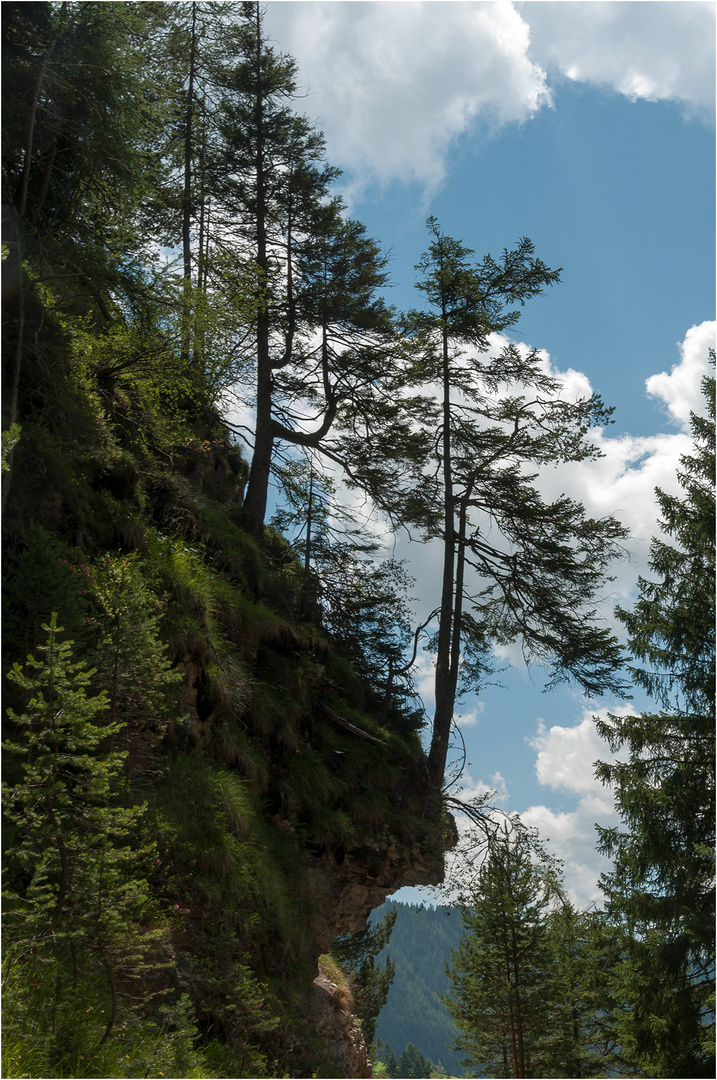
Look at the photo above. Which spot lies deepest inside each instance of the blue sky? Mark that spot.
(588, 127)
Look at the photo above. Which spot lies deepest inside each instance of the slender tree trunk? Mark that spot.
(203, 223)
(389, 690)
(200, 315)
(187, 195)
(511, 1005)
(576, 1069)
(445, 697)
(458, 598)
(260, 471)
(518, 1017)
(290, 299)
(19, 340)
(112, 983)
(309, 525)
(45, 180)
(30, 139)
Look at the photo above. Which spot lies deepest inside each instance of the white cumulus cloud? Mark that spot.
(680, 391)
(654, 51)
(572, 837)
(566, 755)
(470, 718)
(565, 762)
(395, 84)
(622, 481)
(476, 789)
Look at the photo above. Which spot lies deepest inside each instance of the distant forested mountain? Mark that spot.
(421, 942)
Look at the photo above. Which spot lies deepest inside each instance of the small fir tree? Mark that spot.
(80, 903)
(132, 663)
(370, 983)
(412, 1063)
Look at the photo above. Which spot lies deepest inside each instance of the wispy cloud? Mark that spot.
(470, 718)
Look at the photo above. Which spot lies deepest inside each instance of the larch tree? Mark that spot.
(662, 886)
(484, 418)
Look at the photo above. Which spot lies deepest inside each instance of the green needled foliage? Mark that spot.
(531, 976)
(470, 443)
(305, 279)
(78, 113)
(81, 855)
(501, 970)
(662, 888)
(412, 1063)
(584, 1011)
(235, 711)
(363, 601)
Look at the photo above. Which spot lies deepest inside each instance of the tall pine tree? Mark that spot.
(531, 992)
(315, 275)
(471, 441)
(79, 122)
(662, 887)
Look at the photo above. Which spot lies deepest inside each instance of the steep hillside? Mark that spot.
(270, 798)
(207, 779)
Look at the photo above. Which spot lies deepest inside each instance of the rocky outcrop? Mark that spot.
(348, 887)
(334, 1022)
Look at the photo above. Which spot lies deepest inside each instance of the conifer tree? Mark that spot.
(80, 894)
(363, 600)
(315, 275)
(503, 970)
(662, 887)
(77, 123)
(132, 663)
(470, 443)
(583, 1012)
(195, 45)
(387, 1057)
(413, 1064)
